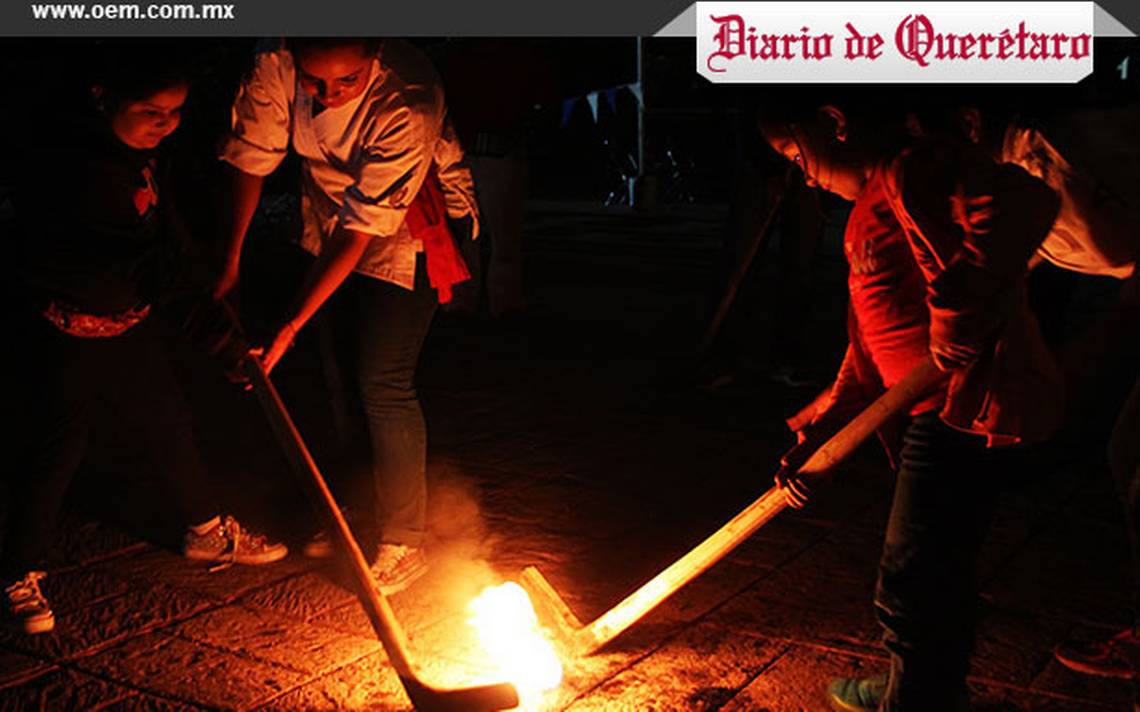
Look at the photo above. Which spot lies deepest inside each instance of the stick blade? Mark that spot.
(549, 606)
(487, 698)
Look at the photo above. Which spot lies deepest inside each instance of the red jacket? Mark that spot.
(958, 291)
(888, 320)
(973, 225)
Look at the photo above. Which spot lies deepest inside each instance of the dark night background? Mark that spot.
(593, 440)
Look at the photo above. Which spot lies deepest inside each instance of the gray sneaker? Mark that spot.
(27, 609)
(229, 543)
(397, 566)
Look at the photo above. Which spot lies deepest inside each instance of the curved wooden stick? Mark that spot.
(585, 639)
(472, 699)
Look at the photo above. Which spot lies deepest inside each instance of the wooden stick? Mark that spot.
(738, 275)
(585, 639)
(490, 697)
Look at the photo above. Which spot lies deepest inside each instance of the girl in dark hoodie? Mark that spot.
(96, 248)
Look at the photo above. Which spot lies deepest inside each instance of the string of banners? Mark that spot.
(592, 98)
(888, 42)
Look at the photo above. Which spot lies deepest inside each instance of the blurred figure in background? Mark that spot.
(492, 88)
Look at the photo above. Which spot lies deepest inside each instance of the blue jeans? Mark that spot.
(925, 598)
(386, 327)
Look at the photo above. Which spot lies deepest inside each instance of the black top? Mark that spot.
(93, 223)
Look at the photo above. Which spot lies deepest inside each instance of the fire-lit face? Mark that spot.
(816, 150)
(334, 75)
(143, 124)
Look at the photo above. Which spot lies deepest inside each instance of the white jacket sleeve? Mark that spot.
(455, 178)
(260, 121)
(396, 150)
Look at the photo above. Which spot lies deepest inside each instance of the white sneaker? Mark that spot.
(397, 566)
(27, 608)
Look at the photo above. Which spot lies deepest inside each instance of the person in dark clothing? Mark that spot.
(96, 251)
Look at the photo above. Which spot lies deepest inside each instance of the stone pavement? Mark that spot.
(575, 441)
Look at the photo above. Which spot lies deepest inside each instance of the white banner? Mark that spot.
(895, 42)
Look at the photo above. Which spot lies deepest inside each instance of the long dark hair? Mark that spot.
(134, 69)
(296, 45)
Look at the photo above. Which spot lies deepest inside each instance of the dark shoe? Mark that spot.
(853, 694)
(397, 566)
(231, 543)
(26, 608)
(320, 546)
(1116, 657)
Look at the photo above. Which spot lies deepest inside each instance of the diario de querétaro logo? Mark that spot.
(894, 41)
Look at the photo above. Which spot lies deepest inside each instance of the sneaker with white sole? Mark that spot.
(1118, 656)
(27, 608)
(230, 543)
(857, 694)
(397, 566)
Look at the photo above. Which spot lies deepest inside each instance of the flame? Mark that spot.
(508, 630)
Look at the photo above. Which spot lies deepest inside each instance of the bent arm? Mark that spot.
(340, 253)
(339, 256)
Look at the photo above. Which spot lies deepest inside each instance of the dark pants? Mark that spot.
(60, 383)
(925, 599)
(385, 327)
(1124, 461)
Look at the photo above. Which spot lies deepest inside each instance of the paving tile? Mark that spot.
(81, 541)
(846, 555)
(1054, 576)
(451, 583)
(148, 703)
(987, 698)
(557, 505)
(803, 584)
(16, 668)
(62, 690)
(74, 589)
(700, 669)
(711, 589)
(1014, 649)
(1056, 679)
(797, 680)
(349, 619)
(453, 639)
(753, 614)
(779, 541)
(222, 586)
(273, 638)
(189, 672)
(109, 622)
(302, 597)
(369, 683)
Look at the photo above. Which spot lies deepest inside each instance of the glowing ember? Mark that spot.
(508, 630)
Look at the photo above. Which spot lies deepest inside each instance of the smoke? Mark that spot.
(458, 539)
